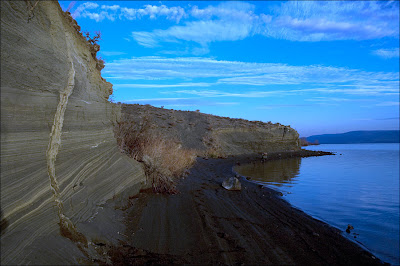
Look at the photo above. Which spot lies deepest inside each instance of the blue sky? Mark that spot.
(321, 67)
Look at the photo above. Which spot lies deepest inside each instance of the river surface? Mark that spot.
(357, 186)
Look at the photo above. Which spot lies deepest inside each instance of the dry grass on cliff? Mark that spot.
(214, 149)
(164, 160)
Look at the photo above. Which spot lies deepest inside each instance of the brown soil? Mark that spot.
(206, 224)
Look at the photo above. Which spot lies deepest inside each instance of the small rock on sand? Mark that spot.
(232, 183)
(264, 156)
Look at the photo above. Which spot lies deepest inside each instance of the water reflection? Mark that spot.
(359, 187)
(278, 172)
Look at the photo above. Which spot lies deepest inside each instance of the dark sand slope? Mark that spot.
(206, 224)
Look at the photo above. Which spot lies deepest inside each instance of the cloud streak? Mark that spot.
(112, 53)
(389, 103)
(304, 21)
(160, 86)
(275, 106)
(205, 72)
(180, 102)
(334, 20)
(229, 21)
(173, 13)
(201, 32)
(308, 21)
(113, 12)
(387, 53)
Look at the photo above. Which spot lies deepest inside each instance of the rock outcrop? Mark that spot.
(214, 135)
(59, 159)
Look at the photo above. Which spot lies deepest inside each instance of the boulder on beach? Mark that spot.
(232, 183)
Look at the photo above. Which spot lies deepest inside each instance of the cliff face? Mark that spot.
(60, 162)
(59, 158)
(214, 135)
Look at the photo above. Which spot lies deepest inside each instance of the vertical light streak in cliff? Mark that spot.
(67, 228)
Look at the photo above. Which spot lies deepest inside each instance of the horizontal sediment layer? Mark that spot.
(59, 158)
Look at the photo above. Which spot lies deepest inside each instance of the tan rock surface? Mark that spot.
(50, 85)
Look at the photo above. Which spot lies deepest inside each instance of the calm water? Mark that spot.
(359, 187)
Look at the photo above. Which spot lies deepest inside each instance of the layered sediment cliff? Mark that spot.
(60, 162)
(59, 158)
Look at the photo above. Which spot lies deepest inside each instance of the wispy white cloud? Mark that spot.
(337, 100)
(388, 103)
(111, 53)
(87, 5)
(175, 13)
(226, 103)
(83, 8)
(159, 86)
(180, 102)
(218, 93)
(376, 119)
(357, 90)
(200, 71)
(232, 21)
(387, 53)
(111, 12)
(243, 94)
(145, 39)
(293, 20)
(229, 21)
(275, 106)
(233, 10)
(113, 7)
(334, 20)
(274, 92)
(82, 11)
(328, 99)
(202, 32)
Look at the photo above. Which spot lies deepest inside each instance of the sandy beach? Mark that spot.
(206, 224)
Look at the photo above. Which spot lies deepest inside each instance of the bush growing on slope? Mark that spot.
(213, 147)
(164, 160)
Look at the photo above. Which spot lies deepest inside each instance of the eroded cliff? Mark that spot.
(60, 162)
(59, 158)
(211, 135)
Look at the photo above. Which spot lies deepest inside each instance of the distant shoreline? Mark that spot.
(354, 137)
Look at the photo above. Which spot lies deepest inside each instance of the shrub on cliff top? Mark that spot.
(94, 47)
(164, 160)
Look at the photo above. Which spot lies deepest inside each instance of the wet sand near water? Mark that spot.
(206, 224)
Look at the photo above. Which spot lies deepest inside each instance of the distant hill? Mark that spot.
(376, 136)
